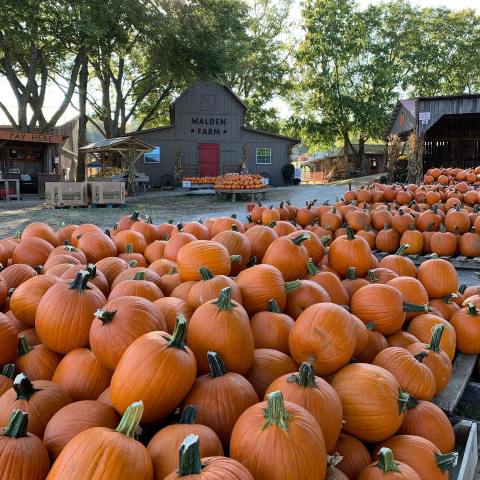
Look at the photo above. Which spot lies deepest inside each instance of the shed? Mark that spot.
(208, 137)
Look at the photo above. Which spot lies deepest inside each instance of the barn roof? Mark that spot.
(270, 134)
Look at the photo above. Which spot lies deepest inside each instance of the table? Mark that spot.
(254, 192)
(6, 182)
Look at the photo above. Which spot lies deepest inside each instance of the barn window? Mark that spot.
(264, 156)
(153, 156)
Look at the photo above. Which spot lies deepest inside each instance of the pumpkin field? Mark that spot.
(276, 348)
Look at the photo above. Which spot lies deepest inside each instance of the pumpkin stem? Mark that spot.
(224, 300)
(23, 346)
(17, 425)
(449, 297)
(462, 288)
(148, 219)
(411, 307)
(312, 268)
(446, 461)
(130, 421)
(386, 462)
(411, 227)
(371, 326)
(275, 413)
(252, 262)
(326, 239)
(293, 285)
(8, 370)
(351, 273)
(177, 340)
(105, 316)
(442, 228)
(402, 400)
(172, 271)
(107, 233)
(38, 269)
(305, 376)
(189, 457)
(299, 239)
(234, 227)
(272, 224)
(350, 234)
(402, 249)
(235, 258)
(472, 309)
(205, 273)
(412, 402)
(81, 280)
(135, 215)
(132, 263)
(170, 222)
(189, 415)
(386, 226)
(234, 215)
(129, 248)
(216, 365)
(23, 387)
(92, 270)
(139, 276)
(437, 333)
(273, 306)
(372, 276)
(179, 226)
(69, 248)
(433, 256)
(420, 356)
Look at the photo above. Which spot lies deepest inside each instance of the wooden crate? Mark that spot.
(466, 444)
(66, 194)
(106, 193)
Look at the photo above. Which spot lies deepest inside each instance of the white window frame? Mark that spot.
(263, 155)
(159, 156)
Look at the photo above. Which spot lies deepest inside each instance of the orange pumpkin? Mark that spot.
(387, 468)
(438, 276)
(466, 323)
(32, 251)
(355, 456)
(403, 266)
(38, 362)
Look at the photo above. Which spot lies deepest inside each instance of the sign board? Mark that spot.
(29, 137)
(298, 173)
(209, 126)
(424, 117)
(265, 180)
(186, 184)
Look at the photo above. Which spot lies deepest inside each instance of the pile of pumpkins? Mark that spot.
(200, 180)
(225, 350)
(448, 176)
(232, 181)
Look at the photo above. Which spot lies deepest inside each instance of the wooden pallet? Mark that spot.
(466, 443)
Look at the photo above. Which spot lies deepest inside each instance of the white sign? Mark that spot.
(186, 184)
(424, 117)
(265, 180)
(298, 173)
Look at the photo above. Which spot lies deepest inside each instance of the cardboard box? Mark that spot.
(66, 194)
(106, 193)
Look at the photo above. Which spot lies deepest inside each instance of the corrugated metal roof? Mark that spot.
(270, 134)
(107, 143)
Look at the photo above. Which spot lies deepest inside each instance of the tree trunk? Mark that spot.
(82, 123)
(360, 156)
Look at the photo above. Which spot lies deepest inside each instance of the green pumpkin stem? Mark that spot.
(299, 239)
(305, 376)
(205, 273)
(139, 276)
(132, 263)
(411, 227)
(462, 288)
(251, 262)
(293, 285)
(23, 387)
(129, 249)
(386, 462)
(402, 249)
(449, 298)
(235, 258)
(177, 340)
(420, 356)
(386, 226)
(216, 365)
(172, 271)
(402, 401)
(437, 333)
(434, 256)
(81, 280)
(23, 346)
(135, 216)
(312, 268)
(179, 226)
(446, 461)
(273, 306)
(92, 270)
(412, 402)
(17, 426)
(325, 240)
(372, 276)
(472, 309)
(275, 413)
(8, 370)
(130, 420)
(442, 228)
(105, 316)
(190, 461)
(371, 326)
(224, 300)
(351, 273)
(272, 224)
(412, 307)
(350, 233)
(234, 227)
(189, 415)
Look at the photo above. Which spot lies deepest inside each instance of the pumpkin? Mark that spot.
(349, 251)
(469, 244)
(32, 251)
(303, 293)
(81, 375)
(209, 288)
(412, 375)
(259, 441)
(412, 290)
(102, 452)
(182, 290)
(155, 251)
(438, 276)
(401, 339)
(69, 250)
(426, 420)
(130, 274)
(16, 274)
(283, 228)
(267, 366)
(457, 220)
(167, 230)
(155, 362)
(414, 239)
(39, 230)
(203, 253)
(222, 224)
(443, 243)
(66, 328)
(162, 267)
(382, 275)
(60, 260)
(403, 266)
(120, 322)
(197, 229)
(22, 455)
(8, 340)
(111, 267)
(428, 461)
(64, 234)
(387, 239)
(362, 388)
(74, 418)
(331, 220)
(351, 284)
(41, 399)
(434, 358)
(270, 215)
(220, 397)
(192, 466)
(6, 377)
(402, 221)
(422, 326)
(25, 299)
(466, 323)
(138, 287)
(316, 396)
(445, 306)
(222, 325)
(147, 229)
(133, 257)
(127, 221)
(237, 244)
(260, 238)
(271, 329)
(175, 243)
(164, 445)
(355, 456)
(170, 307)
(330, 282)
(96, 277)
(325, 335)
(38, 362)
(105, 397)
(260, 284)
(96, 246)
(387, 468)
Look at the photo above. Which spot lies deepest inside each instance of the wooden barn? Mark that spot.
(207, 134)
(448, 126)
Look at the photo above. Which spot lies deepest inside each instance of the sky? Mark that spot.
(53, 97)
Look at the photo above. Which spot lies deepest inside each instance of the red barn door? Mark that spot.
(209, 159)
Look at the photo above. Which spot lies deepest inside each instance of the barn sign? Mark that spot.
(208, 126)
(30, 137)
